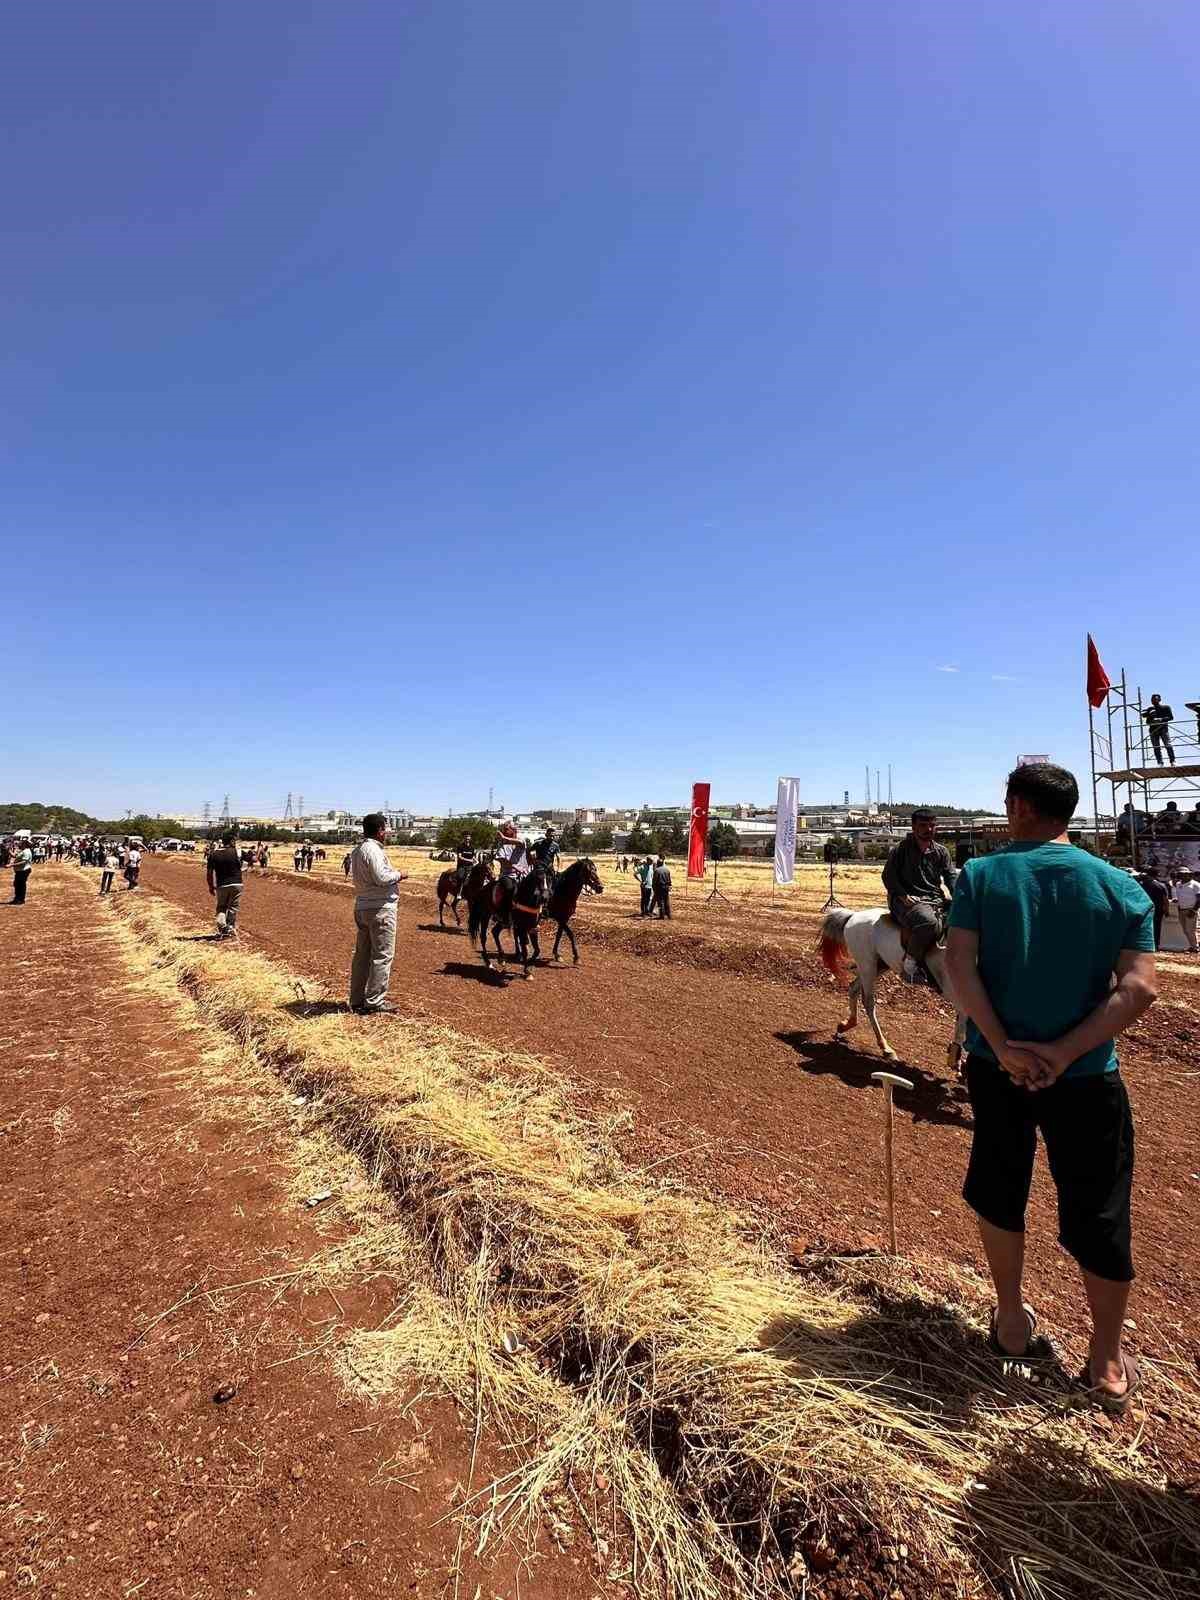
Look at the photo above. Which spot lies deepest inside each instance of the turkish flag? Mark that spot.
(698, 838)
(1097, 680)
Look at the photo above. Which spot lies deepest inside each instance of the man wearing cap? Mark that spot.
(513, 858)
(1187, 899)
(913, 877)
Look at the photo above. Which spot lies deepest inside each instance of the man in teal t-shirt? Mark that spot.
(1051, 955)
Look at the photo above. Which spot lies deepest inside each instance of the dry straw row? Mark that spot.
(748, 1429)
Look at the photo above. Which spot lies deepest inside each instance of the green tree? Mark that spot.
(639, 842)
(723, 841)
(572, 836)
(602, 839)
(455, 829)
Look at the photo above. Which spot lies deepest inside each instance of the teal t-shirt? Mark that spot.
(1051, 921)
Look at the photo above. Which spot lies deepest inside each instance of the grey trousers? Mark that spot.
(374, 949)
(922, 922)
(227, 908)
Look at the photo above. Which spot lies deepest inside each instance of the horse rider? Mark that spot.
(466, 860)
(547, 851)
(513, 856)
(916, 869)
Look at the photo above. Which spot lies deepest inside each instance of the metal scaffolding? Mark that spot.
(1123, 757)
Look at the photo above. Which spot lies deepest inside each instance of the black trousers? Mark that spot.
(662, 899)
(20, 884)
(1159, 737)
(646, 894)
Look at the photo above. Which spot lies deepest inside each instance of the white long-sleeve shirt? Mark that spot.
(376, 880)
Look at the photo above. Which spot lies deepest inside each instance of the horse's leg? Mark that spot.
(868, 1000)
(454, 908)
(441, 908)
(557, 941)
(956, 1054)
(852, 1016)
(574, 946)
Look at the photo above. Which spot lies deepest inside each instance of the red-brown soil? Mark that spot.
(736, 1079)
(126, 1188)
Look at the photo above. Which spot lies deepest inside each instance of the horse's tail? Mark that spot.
(835, 957)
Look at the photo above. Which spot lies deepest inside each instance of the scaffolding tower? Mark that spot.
(1124, 758)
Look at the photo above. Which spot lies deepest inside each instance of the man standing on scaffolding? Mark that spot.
(1158, 719)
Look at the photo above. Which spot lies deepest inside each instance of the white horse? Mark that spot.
(868, 939)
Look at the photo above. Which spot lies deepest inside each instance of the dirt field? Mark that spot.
(717, 1033)
(707, 1044)
(164, 1434)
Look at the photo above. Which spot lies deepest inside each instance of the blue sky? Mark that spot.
(583, 400)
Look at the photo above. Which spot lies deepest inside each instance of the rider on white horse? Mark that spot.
(913, 877)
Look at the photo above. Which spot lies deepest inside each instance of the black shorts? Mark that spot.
(1087, 1127)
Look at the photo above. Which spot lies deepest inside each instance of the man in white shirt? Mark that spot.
(1187, 899)
(378, 886)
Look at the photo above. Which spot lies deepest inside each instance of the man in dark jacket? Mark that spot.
(1160, 896)
(661, 879)
(916, 869)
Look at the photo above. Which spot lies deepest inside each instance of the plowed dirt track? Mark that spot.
(734, 1076)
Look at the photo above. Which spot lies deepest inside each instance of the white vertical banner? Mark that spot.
(787, 804)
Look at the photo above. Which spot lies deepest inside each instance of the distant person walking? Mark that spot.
(22, 866)
(108, 871)
(1158, 718)
(346, 860)
(378, 887)
(1160, 896)
(224, 874)
(661, 883)
(1187, 900)
(133, 868)
(1038, 932)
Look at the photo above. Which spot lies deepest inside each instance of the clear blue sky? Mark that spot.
(584, 399)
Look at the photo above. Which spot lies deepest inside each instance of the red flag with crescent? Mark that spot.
(698, 837)
(1097, 679)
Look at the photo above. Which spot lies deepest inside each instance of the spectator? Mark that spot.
(108, 870)
(133, 867)
(913, 876)
(1169, 821)
(298, 859)
(661, 881)
(1158, 719)
(346, 860)
(644, 873)
(1038, 931)
(22, 865)
(1160, 894)
(378, 885)
(224, 876)
(1187, 898)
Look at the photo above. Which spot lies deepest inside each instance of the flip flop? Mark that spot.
(1029, 1353)
(1116, 1405)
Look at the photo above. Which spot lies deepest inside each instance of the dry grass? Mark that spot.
(749, 1427)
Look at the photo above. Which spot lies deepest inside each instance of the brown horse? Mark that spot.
(452, 887)
(580, 875)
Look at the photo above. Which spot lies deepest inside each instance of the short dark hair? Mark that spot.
(374, 822)
(924, 815)
(1051, 791)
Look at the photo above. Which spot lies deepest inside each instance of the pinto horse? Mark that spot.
(581, 875)
(507, 907)
(867, 940)
(453, 887)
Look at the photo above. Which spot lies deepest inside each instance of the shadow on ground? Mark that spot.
(932, 1099)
